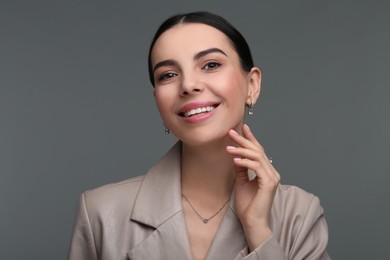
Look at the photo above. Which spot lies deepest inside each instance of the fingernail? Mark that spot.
(230, 147)
(233, 132)
(237, 159)
(247, 127)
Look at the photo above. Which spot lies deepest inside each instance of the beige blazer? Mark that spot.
(142, 218)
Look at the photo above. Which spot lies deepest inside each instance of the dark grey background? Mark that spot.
(77, 110)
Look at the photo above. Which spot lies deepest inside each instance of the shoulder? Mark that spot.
(293, 205)
(118, 187)
(292, 198)
(293, 194)
(299, 224)
(120, 195)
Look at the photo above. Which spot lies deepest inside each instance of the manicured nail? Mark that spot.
(247, 127)
(237, 159)
(233, 132)
(231, 147)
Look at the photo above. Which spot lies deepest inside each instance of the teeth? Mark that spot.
(198, 111)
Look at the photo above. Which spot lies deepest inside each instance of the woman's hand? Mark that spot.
(253, 198)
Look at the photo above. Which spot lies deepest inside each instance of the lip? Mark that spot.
(195, 105)
(198, 117)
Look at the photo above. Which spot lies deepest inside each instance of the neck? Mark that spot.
(207, 171)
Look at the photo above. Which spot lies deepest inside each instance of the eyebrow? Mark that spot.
(208, 51)
(164, 63)
(196, 57)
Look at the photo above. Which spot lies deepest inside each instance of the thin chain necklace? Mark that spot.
(205, 220)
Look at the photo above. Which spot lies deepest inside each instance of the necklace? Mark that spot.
(205, 220)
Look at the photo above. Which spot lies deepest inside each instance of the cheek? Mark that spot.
(163, 102)
(232, 86)
(161, 106)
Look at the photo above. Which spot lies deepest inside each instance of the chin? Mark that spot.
(203, 139)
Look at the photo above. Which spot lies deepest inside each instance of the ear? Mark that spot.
(254, 85)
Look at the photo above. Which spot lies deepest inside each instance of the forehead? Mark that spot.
(188, 39)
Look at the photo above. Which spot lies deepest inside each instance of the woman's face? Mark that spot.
(200, 87)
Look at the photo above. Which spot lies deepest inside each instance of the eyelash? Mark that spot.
(208, 66)
(214, 65)
(166, 76)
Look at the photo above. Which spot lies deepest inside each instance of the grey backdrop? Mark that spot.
(77, 110)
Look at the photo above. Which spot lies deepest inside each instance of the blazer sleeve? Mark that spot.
(310, 240)
(82, 246)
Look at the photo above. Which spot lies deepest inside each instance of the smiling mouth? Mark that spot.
(197, 111)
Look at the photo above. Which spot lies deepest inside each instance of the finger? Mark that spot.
(249, 135)
(255, 166)
(269, 167)
(265, 177)
(262, 160)
(251, 142)
(257, 154)
(240, 140)
(244, 152)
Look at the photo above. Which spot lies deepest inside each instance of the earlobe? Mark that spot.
(254, 84)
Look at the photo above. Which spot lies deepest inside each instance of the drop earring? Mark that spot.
(166, 130)
(250, 108)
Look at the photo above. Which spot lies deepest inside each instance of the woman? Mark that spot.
(215, 194)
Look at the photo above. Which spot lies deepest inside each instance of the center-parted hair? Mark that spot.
(237, 40)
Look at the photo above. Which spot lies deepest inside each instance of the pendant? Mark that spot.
(205, 220)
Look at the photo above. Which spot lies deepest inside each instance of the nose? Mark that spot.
(190, 85)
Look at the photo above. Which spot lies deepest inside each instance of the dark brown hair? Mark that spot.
(238, 41)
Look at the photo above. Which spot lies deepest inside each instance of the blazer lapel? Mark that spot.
(229, 239)
(168, 241)
(158, 205)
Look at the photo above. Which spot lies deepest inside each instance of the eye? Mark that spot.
(166, 76)
(211, 65)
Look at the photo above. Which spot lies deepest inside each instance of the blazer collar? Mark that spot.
(158, 205)
(159, 197)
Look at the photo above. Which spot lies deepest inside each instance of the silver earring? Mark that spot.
(250, 108)
(166, 130)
